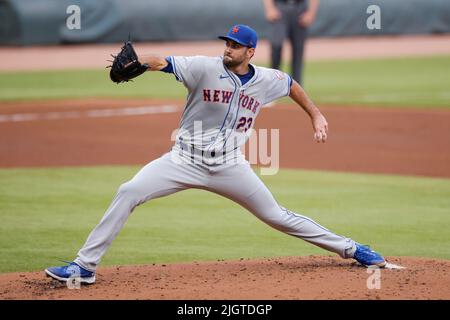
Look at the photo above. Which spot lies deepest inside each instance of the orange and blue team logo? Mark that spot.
(235, 29)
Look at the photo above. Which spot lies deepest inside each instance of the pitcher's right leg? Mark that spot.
(159, 178)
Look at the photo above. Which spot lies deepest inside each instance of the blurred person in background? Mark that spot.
(289, 19)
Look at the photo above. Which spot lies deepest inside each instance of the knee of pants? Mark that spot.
(274, 217)
(131, 192)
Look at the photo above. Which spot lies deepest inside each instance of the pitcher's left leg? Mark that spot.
(240, 184)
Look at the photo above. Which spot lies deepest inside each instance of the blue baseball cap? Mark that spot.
(243, 35)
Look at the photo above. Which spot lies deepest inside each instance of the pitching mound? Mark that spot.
(313, 277)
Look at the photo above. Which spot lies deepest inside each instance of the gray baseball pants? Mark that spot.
(174, 172)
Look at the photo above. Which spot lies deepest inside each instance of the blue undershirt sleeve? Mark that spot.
(169, 67)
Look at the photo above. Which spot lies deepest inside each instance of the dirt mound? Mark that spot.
(312, 277)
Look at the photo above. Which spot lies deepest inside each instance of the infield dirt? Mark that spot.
(312, 277)
(374, 140)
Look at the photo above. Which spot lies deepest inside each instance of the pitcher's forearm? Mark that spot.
(301, 98)
(155, 63)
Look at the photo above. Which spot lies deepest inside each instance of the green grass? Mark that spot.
(46, 214)
(406, 82)
(85, 83)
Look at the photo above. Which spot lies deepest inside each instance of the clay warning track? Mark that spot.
(78, 133)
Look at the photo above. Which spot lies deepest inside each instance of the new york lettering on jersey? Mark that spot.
(223, 100)
(222, 96)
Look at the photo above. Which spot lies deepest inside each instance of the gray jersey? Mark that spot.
(217, 98)
(220, 112)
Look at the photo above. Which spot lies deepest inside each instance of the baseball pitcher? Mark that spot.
(225, 95)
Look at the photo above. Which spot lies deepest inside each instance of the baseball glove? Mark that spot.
(126, 65)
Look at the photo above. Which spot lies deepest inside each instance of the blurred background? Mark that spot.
(69, 136)
(37, 22)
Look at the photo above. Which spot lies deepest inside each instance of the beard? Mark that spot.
(230, 62)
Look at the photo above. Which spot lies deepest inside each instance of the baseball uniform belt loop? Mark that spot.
(192, 150)
(212, 154)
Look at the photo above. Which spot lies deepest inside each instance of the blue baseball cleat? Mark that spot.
(71, 271)
(367, 257)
